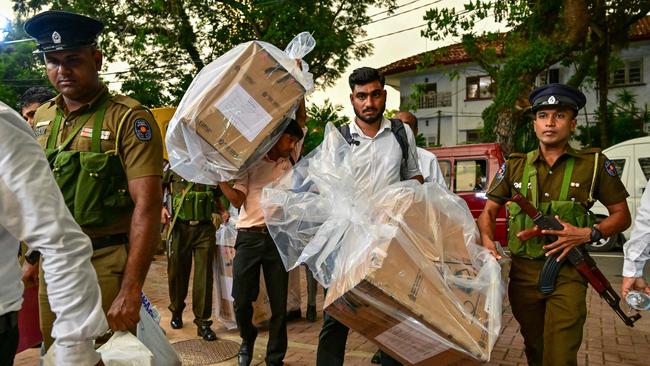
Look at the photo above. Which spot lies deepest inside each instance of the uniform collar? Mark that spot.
(354, 128)
(60, 103)
(537, 155)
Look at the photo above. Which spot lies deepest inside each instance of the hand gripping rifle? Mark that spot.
(577, 256)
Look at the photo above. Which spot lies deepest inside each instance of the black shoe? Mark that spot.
(205, 332)
(177, 322)
(376, 358)
(311, 313)
(293, 315)
(245, 355)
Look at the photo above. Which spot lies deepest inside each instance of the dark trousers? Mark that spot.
(255, 251)
(8, 338)
(189, 241)
(331, 344)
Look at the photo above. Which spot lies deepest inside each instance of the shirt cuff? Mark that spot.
(632, 268)
(82, 353)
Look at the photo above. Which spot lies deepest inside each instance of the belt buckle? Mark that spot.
(194, 222)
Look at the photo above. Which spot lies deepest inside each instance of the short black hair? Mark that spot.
(36, 94)
(365, 75)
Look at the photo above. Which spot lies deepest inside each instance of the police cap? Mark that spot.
(556, 95)
(61, 30)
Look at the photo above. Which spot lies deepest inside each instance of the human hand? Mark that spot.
(124, 313)
(634, 284)
(30, 274)
(567, 239)
(491, 245)
(225, 216)
(164, 216)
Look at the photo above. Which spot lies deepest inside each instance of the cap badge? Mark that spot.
(551, 100)
(56, 37)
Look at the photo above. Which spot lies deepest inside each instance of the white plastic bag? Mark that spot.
(124, 349)
(227, 119)
(153, 337)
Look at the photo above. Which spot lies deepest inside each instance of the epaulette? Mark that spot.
(516, 155)
(590, 150)
(126, 101)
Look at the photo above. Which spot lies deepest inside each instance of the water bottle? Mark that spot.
(638, 300)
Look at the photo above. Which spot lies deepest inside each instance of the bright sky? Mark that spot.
(389, 48)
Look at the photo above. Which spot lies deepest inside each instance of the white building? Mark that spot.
(449, 112)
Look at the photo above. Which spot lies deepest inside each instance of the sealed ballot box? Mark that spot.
(421, 296)
(234, 111)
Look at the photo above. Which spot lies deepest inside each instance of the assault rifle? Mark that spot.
(577, 256)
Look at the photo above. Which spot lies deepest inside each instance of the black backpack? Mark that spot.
(398, 130)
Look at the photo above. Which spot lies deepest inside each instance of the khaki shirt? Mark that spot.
(139, 150)
(608, 187)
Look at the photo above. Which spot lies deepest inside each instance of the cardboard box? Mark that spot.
(399, 299)
(247, 108)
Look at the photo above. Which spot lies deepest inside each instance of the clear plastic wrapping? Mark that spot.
(402, 266)
(236, 108)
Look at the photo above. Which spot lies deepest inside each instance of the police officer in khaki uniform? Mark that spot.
(192, 234)
(106, 154)
(564, 182)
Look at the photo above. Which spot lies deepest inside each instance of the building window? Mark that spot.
(631, 72)
(550, 76)
(479, 87)
(470, 175)
(473, 136)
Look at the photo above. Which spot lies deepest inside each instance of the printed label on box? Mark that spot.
(411, 340)
(243, 112)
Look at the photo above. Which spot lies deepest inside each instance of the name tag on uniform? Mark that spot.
(88, 132)
(42, 124)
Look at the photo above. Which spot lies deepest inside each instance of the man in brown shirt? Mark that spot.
(106, 153)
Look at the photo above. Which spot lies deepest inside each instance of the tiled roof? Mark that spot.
(456, 54)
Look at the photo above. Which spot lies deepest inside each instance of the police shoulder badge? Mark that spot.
(142, 129)
(501, 172)
(610, 168)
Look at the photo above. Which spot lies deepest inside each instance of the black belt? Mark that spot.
(109, 241)
(8, 321)
(255, 229)
(194, 222)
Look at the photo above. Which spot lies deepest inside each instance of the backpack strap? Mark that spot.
(345, 131)
(398, 130)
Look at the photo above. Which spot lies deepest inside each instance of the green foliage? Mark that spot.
(19, 68)
(317, 118)
(165, 42)
(626, 122)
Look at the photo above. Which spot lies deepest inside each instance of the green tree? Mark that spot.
(541, 34)
(319, 116)
(164, 42)
(19, 69)
(626, 122)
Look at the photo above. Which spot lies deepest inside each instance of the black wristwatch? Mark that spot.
(595, 235)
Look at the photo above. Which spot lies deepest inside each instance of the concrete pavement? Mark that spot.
(607, 341)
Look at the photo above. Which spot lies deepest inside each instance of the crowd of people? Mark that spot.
(82, 184)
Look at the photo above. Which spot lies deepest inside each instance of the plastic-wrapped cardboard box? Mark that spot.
(412, 312)
(247, 108)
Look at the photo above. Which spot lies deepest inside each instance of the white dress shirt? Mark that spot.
(637, 249)
(32, 209)
(377, 160)
(428, 163)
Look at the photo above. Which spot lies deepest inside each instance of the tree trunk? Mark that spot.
(505, 132)
(602, 78)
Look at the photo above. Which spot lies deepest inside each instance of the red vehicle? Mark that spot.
(468, 171)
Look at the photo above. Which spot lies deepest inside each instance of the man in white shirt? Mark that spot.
(427, 161)
(33, 210)
(637, 249)
(379, 161)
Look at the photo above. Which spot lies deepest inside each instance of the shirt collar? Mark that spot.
(537, 155)
(60, 103)
(354, 128)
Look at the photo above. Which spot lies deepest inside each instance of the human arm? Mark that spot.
(235, 196)
(572, 236)
(146, 193)
(637, 250)
(486, 225)
(40, 218)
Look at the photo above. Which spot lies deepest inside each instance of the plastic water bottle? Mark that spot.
(638, 300)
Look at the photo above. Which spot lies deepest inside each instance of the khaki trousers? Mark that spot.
(109, 264)
(550, 324)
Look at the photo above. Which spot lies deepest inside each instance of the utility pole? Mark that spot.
(438, 134)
